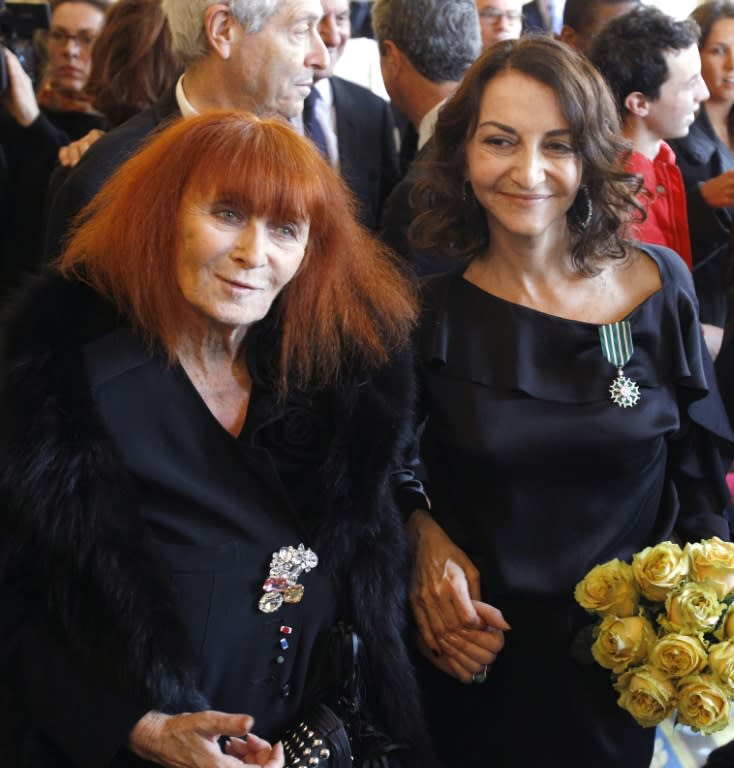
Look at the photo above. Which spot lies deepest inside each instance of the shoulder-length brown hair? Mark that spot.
(347, 304)
(450, 222)
(132, 60)
(707, 14)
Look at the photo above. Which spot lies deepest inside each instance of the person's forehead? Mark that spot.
(337, 7)
(502, 5)
(77, 14)
(722, 30)
(294, 10)
(682, 64)
(684, 60)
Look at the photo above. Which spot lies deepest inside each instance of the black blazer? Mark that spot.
(90, 637)
(368, 156)
(70, 191)
(532, 21)
(700, 157)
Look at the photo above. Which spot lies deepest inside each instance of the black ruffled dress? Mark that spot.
(539, 476)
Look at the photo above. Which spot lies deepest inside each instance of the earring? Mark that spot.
(582, 209)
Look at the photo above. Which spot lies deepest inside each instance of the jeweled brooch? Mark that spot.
(281, 586)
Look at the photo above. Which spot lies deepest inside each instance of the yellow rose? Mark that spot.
(622, 642)
(609, 590)
(690, 609)
(721, 663)
(712, 561)
(647, 694)
(678, 655)
(702, 704)
(659, 569)
(726, 627)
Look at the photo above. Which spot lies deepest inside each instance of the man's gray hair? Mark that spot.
(441, 38)
(186, 22)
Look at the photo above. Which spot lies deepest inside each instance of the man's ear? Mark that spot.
(637, 104)
(391, 57)
(219, 26)
(569, 36)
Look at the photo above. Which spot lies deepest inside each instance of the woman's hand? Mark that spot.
(191, 741)
(459, 633)
(72, 153)
(470, 651)
(719, 191)
(256, 751)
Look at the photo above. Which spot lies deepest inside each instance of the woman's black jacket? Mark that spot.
(87, 621)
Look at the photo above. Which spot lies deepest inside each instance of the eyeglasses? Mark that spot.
(61, 37)
(495, 14)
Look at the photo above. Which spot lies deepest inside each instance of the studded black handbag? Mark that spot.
(320, 740)
(335, 731)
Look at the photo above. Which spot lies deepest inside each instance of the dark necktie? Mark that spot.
(408, 147)
(311, 126)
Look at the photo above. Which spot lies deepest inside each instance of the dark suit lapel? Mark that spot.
(347, 128)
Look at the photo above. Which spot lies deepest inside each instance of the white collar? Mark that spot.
(186, 107)
(428, 123)
(325, 90)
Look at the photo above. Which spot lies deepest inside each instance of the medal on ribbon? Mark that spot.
(281, 586)
(616, 344)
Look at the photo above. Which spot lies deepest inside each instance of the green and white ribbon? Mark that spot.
(616, 344)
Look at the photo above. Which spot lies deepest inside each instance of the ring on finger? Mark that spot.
(480, 676)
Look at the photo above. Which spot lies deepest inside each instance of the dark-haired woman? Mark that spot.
(570, 414)
(706, 160)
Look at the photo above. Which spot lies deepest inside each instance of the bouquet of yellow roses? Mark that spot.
(666, 631)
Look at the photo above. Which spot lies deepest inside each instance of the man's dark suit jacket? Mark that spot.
(532, 19)
(368, 156)
(70, 191)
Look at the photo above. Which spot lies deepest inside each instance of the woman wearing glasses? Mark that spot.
(33, 126)
(499, 20)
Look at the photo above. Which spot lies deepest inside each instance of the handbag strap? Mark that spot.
(350, 695)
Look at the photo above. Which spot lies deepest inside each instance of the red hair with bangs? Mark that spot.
(347, 303)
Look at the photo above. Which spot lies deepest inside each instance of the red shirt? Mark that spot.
(663, 196)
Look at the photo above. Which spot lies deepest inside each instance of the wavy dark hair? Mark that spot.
(447, 221)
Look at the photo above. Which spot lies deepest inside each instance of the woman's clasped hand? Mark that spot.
(458, 632)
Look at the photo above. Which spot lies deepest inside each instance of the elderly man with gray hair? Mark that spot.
(426, 46)
(257, 55)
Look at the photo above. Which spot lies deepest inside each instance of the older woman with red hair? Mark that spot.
(205, 416)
